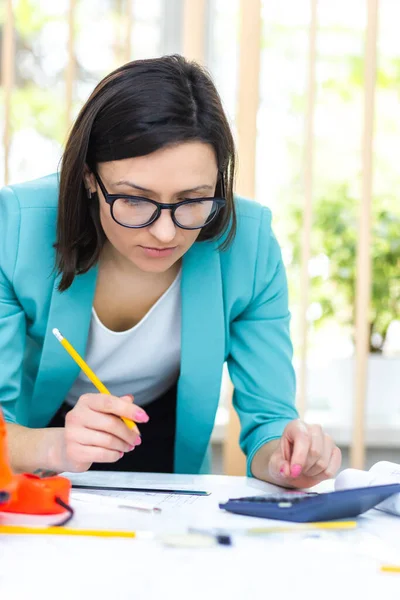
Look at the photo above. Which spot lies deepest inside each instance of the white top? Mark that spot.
(143, 361)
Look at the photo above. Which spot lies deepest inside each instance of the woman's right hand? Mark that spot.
(95, 432)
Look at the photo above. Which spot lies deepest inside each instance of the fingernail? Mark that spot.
(131, 448)
(121, 454)
(138, 441)
(282, 471)
(295, 470)
(141, 415)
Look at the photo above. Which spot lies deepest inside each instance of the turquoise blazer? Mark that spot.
(234, 309)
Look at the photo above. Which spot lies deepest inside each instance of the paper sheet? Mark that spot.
(124, 569)
(334, 564)
(155, 500)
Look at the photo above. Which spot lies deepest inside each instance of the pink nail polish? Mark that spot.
(131, 448)
(121, 454)
(141, 415)
(138, 441)
(282, 471)
(295, 470)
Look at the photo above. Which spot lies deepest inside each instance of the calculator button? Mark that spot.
(292, 497)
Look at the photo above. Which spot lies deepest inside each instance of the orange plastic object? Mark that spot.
(8, 484)
(29, 494)
(36, 496)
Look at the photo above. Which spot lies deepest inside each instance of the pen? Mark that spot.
(221, 537)
(181, 492)
(89, 373)
(22, 530)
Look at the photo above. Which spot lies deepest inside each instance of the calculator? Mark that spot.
(305, 507)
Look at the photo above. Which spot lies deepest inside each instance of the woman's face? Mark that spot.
(169, 175)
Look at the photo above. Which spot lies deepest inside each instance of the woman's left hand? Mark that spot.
(303, 457)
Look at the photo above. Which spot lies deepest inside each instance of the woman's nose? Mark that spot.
(164, 229)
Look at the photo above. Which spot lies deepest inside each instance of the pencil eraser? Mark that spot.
(57, 334)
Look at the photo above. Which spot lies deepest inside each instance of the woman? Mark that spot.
(143, 259)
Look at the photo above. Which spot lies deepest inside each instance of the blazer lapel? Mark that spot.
(202, 355)
(202, 352)
(70, 312)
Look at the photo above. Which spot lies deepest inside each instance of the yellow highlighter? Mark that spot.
(89, 374)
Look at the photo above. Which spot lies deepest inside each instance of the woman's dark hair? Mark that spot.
(139, 108)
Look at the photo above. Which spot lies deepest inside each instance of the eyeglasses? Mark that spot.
(136, 212)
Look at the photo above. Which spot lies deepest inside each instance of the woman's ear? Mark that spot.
(89, 181)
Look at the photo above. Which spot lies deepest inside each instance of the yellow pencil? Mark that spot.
(304, 526)
(390, 568)
(22, 530)
(89, 373)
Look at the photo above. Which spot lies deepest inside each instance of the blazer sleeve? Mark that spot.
(12, 317)
(260, 359)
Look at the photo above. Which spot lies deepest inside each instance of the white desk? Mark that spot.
(289, 565)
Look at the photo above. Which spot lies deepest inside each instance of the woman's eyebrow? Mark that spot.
(205, 186)
(132, 185)
(143, 189)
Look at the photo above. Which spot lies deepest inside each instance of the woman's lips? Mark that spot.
(158, 252)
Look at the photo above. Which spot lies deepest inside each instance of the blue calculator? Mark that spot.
(306, 507)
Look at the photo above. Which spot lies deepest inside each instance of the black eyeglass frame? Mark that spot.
(112, 198)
